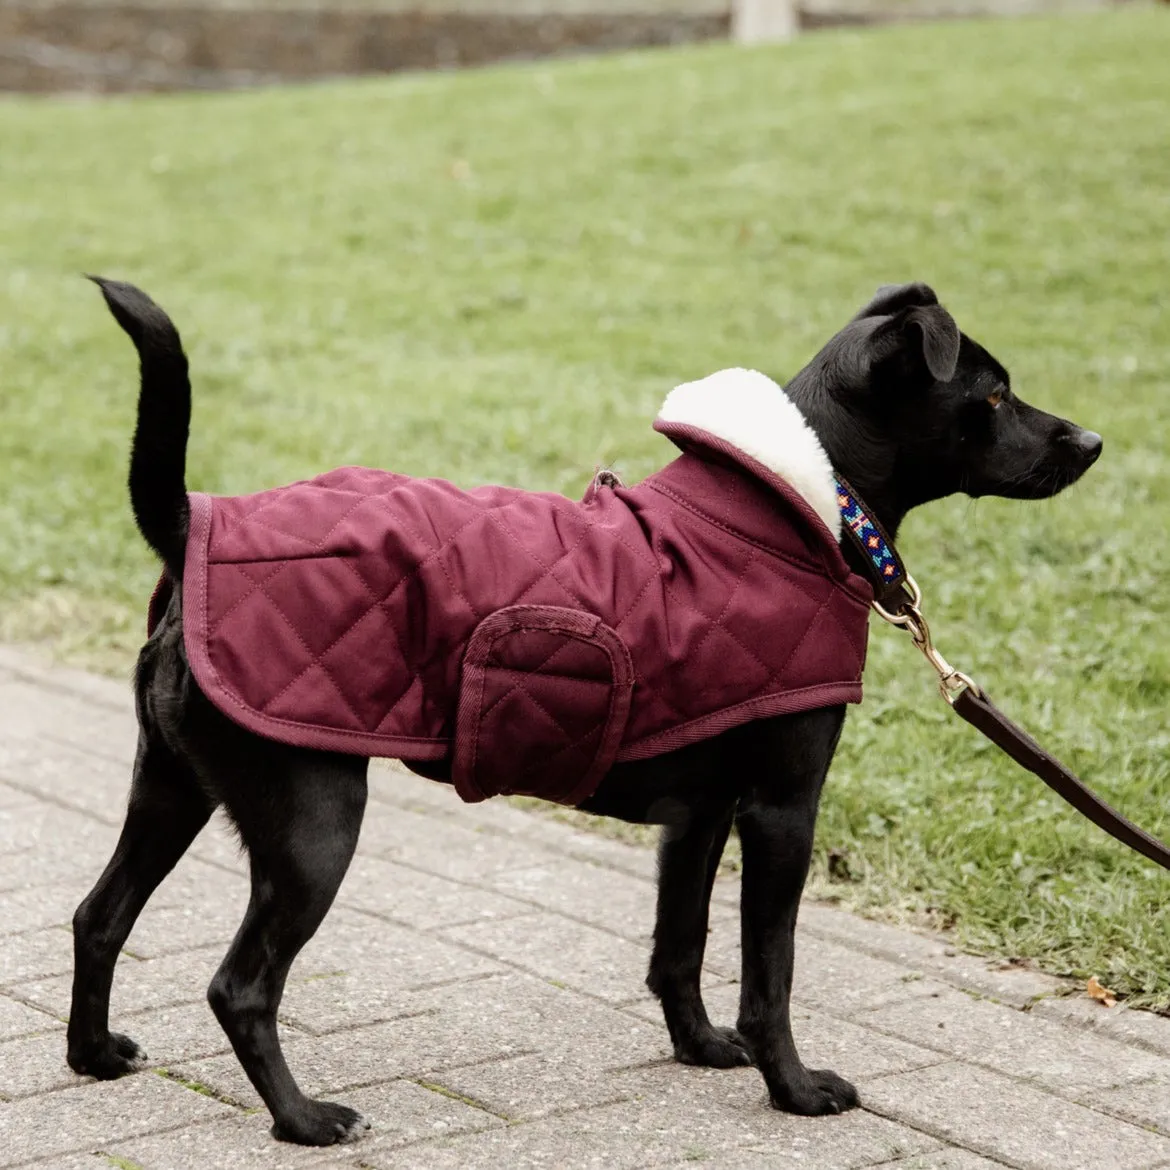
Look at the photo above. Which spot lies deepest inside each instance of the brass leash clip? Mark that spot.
(951, 682)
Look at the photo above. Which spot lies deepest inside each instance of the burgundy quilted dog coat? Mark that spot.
(534, 639)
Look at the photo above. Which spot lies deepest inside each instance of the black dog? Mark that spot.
(907, 409)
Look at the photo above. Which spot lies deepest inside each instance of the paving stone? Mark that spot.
(947, 1158)
(165, 930)
(1143, 1029)
(197, 905)
(328, 1002)
(826, 1155)
(330, 1066)
(835, 979)
(400, 1113)
(720, 994)
(422, 901)
(52, 862)
(1017, 1123)
(569, 953)
(544, 834)
(369, 965)
(24, 664)
(79, 777)
(1062, 1059)
(528, 1087)
(564, 840)
(464, 1034)
(89, 1160)
(34, 955)
(35, 907)
(372, 964)
(450, 1027)
(138, 984)
(1006, 982)
(529, 1013)
(701, 1117)
(47, 830)
(587, 892)
(18, 1019)
(13, 798)
(96, 1114)
(481, 1020)
(823, 1041)
(172, 1035)
(391, 784)
(444, 847)
(194, 881)
(394, 782)
(34, 1064)
(223, 1077)
(1146, 1103)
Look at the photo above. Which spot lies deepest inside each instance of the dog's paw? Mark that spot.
(115, 1058)
(814, 1093)
(321, 1124)
(714, 1048)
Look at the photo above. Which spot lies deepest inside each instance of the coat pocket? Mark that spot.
(543, 703)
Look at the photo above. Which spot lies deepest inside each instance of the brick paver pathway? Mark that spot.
(477, 992)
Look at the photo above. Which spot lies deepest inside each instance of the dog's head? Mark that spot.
(910, 409)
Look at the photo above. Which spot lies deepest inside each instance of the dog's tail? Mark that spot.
(158, 459)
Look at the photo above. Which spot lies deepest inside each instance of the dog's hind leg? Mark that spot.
(167, 809)
(688, 859)
(300, 822)
(788, 759)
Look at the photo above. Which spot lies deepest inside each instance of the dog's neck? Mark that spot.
(752, 413)
(859, 456)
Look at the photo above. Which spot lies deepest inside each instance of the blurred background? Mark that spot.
(112, 46)
(495, 274)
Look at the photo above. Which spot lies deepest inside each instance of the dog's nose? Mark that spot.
(1089, 444)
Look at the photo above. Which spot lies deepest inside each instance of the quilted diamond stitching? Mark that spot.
(521, 680)
(489, 512)
(253, 517)
(800, 641)
(717, 622)
(539, 706)
(781, 562)
(242, 567)
(546, 570)
(544, 764)
(315, 662)
(385, 714)
(403, 577)
(777, 568)
(694, 609)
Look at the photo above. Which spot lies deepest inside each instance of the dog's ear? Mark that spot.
(891, 298)
(920, 340)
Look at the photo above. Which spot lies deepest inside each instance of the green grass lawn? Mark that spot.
(497, 276)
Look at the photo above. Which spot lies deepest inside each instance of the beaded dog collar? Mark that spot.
(862, 527)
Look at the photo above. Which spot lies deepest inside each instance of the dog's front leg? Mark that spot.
(688, 858)
(775, 822)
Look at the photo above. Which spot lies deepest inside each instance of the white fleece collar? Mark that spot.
(748, 410)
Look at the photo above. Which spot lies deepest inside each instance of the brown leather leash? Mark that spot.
(897, 599)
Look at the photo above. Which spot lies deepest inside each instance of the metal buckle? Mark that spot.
(951, 682)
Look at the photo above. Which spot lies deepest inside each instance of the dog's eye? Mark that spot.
(995, 397)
